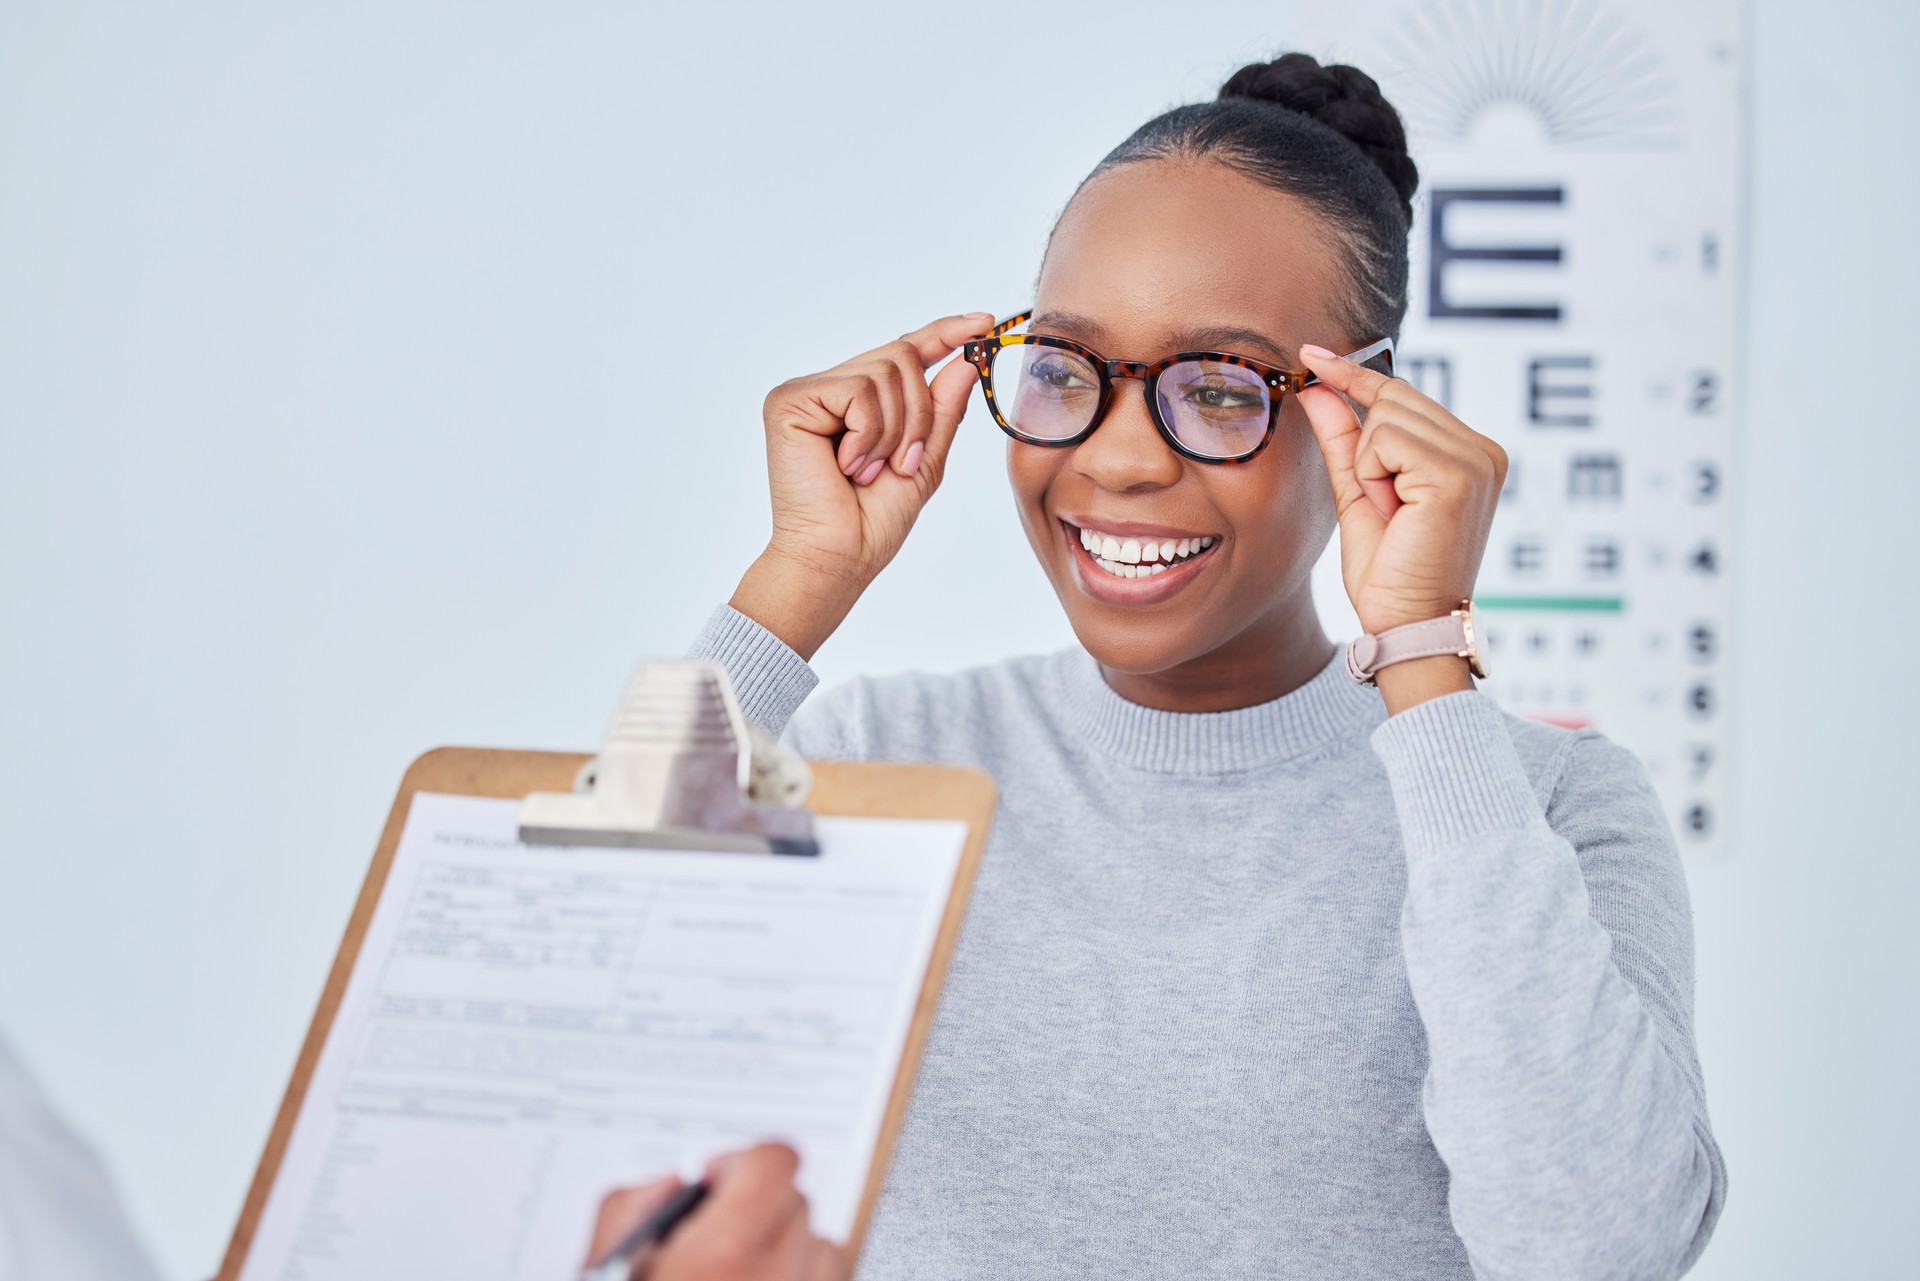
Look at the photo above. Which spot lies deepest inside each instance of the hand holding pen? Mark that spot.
(749, 1224)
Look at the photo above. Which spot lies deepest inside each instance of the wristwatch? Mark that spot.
(1456, 634)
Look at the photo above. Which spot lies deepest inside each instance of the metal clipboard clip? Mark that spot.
(681, 767)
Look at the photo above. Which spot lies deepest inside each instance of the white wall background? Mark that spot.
(331, 350)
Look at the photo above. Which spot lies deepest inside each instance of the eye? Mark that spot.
(1219, 395)
(1060, 373)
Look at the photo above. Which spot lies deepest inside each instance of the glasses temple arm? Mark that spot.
(1011, 322)
(1361, 357)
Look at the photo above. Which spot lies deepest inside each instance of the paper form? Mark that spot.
(529, 1027)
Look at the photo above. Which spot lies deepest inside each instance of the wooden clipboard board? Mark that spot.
(840, 788)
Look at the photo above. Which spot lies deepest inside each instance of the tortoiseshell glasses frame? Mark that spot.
(1275, 381)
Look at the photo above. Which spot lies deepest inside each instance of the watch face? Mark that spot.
(1476, 655)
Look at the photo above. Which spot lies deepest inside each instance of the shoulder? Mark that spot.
(1472, 731)
(953, 717)
(1599, 798)
(1589, 789)
(1594, 792)
(1572, 768)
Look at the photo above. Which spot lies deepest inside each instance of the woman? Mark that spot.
(1268, 972)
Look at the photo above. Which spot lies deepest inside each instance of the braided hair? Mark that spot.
(1325, 135)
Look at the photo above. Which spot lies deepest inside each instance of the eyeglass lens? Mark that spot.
(1215, 409)
(1045, 392)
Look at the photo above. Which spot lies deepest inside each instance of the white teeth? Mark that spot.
(1140, 558)
(1119, 570)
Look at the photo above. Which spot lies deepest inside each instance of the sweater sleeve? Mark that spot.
(1550, 954)
(772, 682)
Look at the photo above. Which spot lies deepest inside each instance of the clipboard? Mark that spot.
(838, 789)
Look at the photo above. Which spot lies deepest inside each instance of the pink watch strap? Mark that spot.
(1368, 654)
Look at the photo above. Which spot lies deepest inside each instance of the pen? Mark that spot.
(627, 1259)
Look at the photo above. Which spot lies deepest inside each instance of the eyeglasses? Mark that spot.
(1210, 406)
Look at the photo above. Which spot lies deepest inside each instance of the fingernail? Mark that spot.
(979, 315)
(853, 467)
(874, 468)
(911, 463)
(1317, 353)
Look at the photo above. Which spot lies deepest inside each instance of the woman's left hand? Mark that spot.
(1415, 489)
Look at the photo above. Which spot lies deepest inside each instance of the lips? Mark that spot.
(1134, 564)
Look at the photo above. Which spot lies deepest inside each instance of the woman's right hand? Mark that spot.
(853, 454)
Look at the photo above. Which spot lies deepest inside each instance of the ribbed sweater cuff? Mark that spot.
(1454, 771)
(769, 678)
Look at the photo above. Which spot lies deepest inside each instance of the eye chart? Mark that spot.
(1575, 296)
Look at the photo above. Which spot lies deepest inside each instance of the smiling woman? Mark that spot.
(1392, 983)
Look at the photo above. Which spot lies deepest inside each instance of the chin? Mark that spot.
(1138, 647)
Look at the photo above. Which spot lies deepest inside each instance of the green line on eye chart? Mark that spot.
(1558, 604)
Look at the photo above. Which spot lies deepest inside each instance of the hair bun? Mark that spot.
(1345, 99)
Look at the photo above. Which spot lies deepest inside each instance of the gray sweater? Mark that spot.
(1296, 990)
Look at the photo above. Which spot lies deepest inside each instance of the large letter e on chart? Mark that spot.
(1441, 252)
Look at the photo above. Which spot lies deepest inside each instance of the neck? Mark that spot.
(1277, 654)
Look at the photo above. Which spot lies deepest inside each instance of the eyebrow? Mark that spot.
(1226, 338)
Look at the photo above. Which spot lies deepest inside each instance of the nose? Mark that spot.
(1126, 453)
